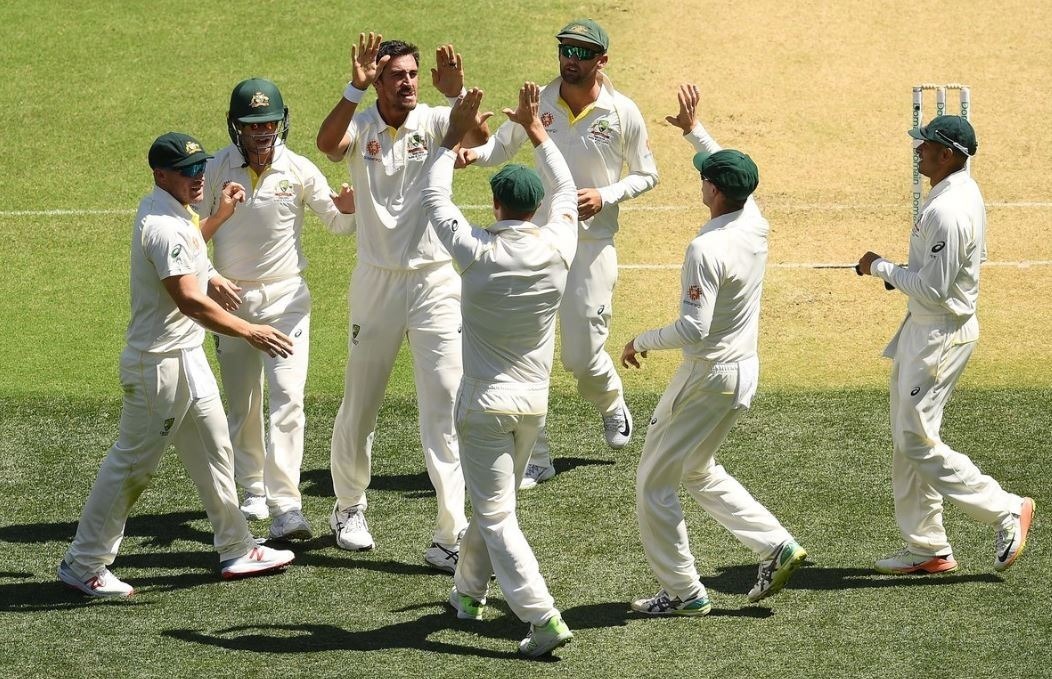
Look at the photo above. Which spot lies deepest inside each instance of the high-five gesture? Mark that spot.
(448, 74)
(464, 117)
(687, 117)
(364, 67)
(527, 113)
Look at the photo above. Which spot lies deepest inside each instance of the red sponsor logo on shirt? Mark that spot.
(694, 292)
(547, 119)
(372, 149)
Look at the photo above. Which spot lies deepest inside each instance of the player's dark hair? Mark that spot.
(397, 48)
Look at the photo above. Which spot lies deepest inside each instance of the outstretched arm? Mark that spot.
(464, 243)
(333, 138)
(686, 119)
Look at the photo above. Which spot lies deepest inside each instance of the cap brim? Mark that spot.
(261, 118)
(580, 38)
(196, 157)
(699, 159)
(920, 133)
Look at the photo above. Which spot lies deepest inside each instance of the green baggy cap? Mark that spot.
(256, 100)
(950, 131)
(517, 188)
(731, 171)
(175, 149)
(585, 30)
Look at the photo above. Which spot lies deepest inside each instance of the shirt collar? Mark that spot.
(171, 206)
(412, 121)
(953, 179)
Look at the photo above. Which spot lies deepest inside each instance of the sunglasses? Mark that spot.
(191, 171)
(578, 52)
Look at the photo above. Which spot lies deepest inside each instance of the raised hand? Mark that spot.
(448, 74)
(464, 116)
(364, 67)
(686, 118)
(529, 104)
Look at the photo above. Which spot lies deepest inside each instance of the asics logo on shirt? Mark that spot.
(938, 246)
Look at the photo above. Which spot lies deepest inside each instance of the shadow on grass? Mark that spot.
(159, 530)
(738, 579)
(412, 634)
(318, 482)
(31, 597)
(619, 613)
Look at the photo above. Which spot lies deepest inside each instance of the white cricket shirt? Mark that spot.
(596, 145)
(165, 242)
(946, 248)
(721, 283)
(514, 274)
(388, 175)
(262, 241)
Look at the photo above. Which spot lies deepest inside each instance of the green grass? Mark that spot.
(818, 460)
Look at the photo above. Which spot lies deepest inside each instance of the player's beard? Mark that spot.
(571, 75)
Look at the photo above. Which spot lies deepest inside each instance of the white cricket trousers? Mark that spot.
(690, 423)
(169, 398)
(270, 469)
(386, 306)
(584, 325)
(929, 359)
(494, 450)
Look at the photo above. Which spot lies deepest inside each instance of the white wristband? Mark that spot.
(353, 94)
(453, 100)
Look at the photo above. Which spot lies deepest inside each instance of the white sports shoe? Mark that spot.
(257, 562)
(350, 528)
(466, 607)
(102, 584)
(545, 638)
(618, 427)
(1011, 539)
(255, 508)
(535, 474)
(443, 557)
(291, 525)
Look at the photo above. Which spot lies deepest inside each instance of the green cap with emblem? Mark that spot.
(517, 188)
(256, 100)
(731, 171)
(585, 30)
(951, 131)
(175, 149)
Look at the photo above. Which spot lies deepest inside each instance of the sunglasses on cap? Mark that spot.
(191, 171)
(951, 142)
(578, 52)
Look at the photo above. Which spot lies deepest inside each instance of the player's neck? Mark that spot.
(580, 96)
(393, 118)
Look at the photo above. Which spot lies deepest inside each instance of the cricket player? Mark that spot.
(929, 353)
(598, 131)
(260, 251)
(170, 394)
(721, 282)
(403, 285)
(514, 273)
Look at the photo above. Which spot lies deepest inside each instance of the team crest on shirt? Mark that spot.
(694, 292)
(600, 131)
(284, 191)
(547, 119)
(416, 146)
(372, 150)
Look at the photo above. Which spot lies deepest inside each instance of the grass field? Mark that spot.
(817, 93)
